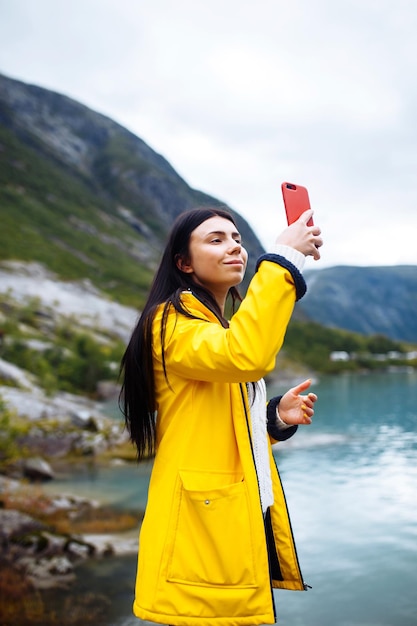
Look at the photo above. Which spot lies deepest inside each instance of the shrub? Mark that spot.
(10, 429)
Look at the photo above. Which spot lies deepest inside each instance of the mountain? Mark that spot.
(84, 196)
(88, 199)
(368, 300)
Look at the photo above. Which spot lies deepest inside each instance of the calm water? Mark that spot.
(351, 486)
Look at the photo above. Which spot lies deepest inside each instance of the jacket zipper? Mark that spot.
(257, 481)
(305, 585)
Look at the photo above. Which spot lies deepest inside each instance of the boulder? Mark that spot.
(82, 418)
(53, 573)
(37, 469)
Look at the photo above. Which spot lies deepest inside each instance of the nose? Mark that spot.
(235, 246)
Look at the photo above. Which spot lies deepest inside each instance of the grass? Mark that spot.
(54, 217)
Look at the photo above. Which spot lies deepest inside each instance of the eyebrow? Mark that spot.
(222, 232)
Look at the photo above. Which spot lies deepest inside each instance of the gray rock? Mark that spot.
(82, 418)
(37, 469)
(8, 485)
(53, 573)
(79, 549)
(53, 445)
(53, 544)
(14, 524)
(92, 309)
(15, 375)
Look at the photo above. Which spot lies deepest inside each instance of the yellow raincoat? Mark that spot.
(203, 556)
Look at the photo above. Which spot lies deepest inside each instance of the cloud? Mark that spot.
(240, 96)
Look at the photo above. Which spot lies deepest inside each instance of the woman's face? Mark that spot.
(216, 258)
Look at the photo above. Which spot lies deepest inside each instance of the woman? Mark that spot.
(216, 534)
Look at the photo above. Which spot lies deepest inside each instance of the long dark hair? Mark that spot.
(137, 396)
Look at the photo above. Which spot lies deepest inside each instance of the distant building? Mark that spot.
(339, 355)
(394, 355)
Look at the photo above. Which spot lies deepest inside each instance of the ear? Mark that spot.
(184, 265)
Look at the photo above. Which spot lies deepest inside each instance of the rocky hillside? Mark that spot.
(83, 195)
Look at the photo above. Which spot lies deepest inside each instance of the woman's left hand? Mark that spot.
(295, 408)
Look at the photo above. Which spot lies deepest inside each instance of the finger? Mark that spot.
(301, 387)
(304, 217)
(318, 242)
(316, 254)
(307, 416)
(307, 410)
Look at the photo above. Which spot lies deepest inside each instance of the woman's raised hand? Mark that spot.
(305, 239)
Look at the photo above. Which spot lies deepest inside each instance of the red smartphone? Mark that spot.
(296, 201)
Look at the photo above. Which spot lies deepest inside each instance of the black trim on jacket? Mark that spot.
(276, 431)
(299, 282)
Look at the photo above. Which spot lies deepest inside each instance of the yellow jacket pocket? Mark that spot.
(206, 536)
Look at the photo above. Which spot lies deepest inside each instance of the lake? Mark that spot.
(351, 486)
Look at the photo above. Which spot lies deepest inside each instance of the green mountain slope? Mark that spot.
(52, 217)
(85, 196)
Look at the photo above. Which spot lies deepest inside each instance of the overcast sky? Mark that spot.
(241, 95)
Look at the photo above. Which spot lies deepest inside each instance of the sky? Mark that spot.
(240, 96)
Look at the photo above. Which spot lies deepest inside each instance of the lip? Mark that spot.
(234, 262)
